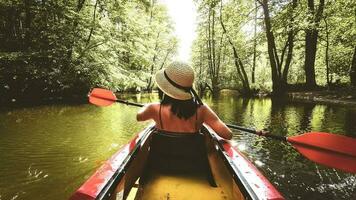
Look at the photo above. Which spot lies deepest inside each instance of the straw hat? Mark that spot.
(176, 80)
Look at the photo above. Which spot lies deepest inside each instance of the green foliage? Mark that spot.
(220, 51)
(338, 20)
(67, 47)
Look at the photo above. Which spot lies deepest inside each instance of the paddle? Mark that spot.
(332, 150)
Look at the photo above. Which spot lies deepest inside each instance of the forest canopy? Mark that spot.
(274, 44)
(56, 48)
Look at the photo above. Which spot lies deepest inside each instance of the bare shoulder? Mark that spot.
(147, 112)
(152, 105)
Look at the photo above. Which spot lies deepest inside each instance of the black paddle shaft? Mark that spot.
(129, 103)
(260, 133)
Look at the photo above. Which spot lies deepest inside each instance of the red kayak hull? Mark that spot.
(241, 169)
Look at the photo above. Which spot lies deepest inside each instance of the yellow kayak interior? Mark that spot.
(165, 186)
(144, 182)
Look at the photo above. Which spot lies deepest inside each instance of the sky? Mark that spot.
(183, 13)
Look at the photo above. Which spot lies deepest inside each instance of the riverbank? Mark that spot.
(335, 97)
(346, 97)
(7, 103)
(23, 102)
(341, 96)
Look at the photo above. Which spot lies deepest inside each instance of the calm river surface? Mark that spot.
(47, 152)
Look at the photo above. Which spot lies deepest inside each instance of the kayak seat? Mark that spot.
(179, 153)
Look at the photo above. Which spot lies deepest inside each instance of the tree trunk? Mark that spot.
(70, 45)
(276, 87)
(169, 50)
(279, 72)
(327, 53)
(353, 69)
(91, 32)
(201, 86)
(215, 86)
(28, 20)
(93, 23)
(241, 71)
(215, 72)
(150, 82)
(254, 46)
(212, 61)
(210, 65)
(290, 43)
(311, 41)
(237, 61)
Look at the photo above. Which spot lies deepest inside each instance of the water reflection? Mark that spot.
(46, 152)
(295, 176)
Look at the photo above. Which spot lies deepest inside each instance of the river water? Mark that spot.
(47, 152)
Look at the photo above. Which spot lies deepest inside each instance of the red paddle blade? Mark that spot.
(332, 150)
(102, 97)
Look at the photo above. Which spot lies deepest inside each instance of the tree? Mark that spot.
(60, 48)
(254, 45)
(353, 69)
(311, 40)
(237, 61)
(279, 71)
(162, 40)
(337, 37)
(213, 40)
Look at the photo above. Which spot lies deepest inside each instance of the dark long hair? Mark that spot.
(181, 108)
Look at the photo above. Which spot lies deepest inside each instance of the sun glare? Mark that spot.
(184, 14)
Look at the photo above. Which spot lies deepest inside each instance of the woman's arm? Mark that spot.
(146, 112)
(212, 120)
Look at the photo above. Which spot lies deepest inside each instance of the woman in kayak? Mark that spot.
(180, 109)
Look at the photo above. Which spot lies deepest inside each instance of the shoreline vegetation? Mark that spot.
(323, 97)
(340, 97)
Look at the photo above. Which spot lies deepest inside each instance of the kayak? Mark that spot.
(157, 165)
